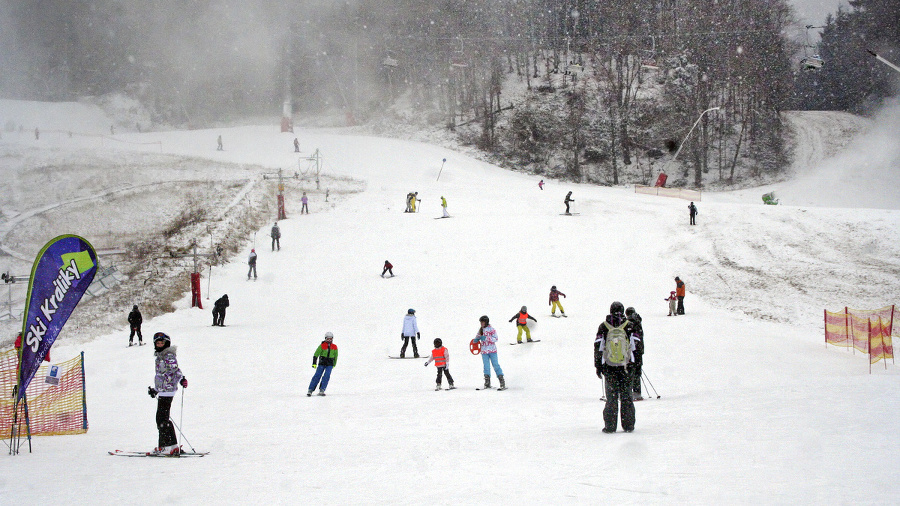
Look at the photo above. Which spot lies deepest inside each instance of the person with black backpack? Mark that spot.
(635, 318)
(134, 321)
(613, 359)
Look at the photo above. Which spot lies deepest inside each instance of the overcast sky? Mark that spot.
(813, 12)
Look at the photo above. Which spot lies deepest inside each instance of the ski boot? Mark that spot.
(309, 393)
(487, 381)
(438, 387)
(502, 383)
(451, 387)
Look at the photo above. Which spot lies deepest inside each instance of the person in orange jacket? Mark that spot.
(521, 319)
(441, 356)
(679, 292)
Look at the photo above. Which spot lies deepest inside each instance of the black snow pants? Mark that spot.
(618, 390)
(167, 435)
(406, 343)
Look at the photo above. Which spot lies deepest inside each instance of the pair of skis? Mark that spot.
(123, 453)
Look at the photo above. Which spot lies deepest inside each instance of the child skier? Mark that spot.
(488, 337)
(672, 301)
(554, 302)
(522, 318)
(326, 354)
(441, 357)
(165, 384)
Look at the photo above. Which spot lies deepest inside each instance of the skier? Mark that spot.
(276, 237)
(219, 311)
(554, 301)
(305, 201)
(488, 337)
(296, 145)
(638, 334)
(444, 206)
(326, 354)
(541, 184)
(613, 351)
(692, 210)
(410, 331)
(134, 321)
(219, 144)
(441, 356)
(673, 301)
(413, 200)
(388, 267)
(252, 263)
(679, 292)
(522, 318)
(166, 381)
(568, 199)
(409, 202)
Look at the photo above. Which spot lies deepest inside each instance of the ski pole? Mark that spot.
(181, 419)
(645, 385)
(603, 386)
(183, 436)
(650, 383)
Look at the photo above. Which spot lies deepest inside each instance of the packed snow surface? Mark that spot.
(747, 404)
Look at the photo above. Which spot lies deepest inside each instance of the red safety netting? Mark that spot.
(56, 398)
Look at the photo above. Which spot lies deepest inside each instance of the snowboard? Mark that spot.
(442, 217)
(526, 342)
(569, 214)
(405, 358)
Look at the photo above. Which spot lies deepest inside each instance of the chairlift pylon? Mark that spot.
(814, 62)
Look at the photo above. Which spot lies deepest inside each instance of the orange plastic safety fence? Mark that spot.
(53, 409)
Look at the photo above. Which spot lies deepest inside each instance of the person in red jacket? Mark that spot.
(441, 357)
(387, 268)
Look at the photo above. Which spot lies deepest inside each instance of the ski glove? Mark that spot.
(152, 392)
(184, 382)
(418, 335)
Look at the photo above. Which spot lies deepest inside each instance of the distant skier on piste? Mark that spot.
(554, 301)
(276, 237)
(388, 268)
(613, 353)
(251, 261)
(326, 355)
(441, 357)
(487, 337)
(568, 199)
(165, 385)
(134, 321)
(521, 319)
(218, 311)
(638, 333)
(444, 207)
(410, 332)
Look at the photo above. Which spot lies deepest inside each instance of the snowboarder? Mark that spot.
(487, 336)
(305, 201)
(165, 384)
(444, 207)
(388, 267)
(441, 357)
(692, 210)
(252, 263)
(679, 292)
(410, 331)
(219, 311)
(219, 144)
(638, 334)
(296, 145)
(613, 352)
(521, 319)
(673, 302)
(554, 301)
(134, 321)
(541, 184)
(276, 237)
(568, 199)
(326, 355)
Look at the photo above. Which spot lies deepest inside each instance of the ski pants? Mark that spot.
(446, 214)
(251, 271)
(636, 374)
(527, 333)
(555, 305)
(219, 316)
(490, 359)
(406, 343)
(276, 242)
(680, 305)
(446, 373)
(387, 269)
(304, 209)
(136, 329)
(323, 372)
(673, 308)
(167, 435)
(618, 390)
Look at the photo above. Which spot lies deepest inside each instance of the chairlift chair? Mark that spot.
(814, 62)
(390, 62)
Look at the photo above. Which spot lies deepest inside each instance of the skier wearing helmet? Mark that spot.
(613, 359)
(487, 336)
(326, 355)
(554, 302)
(168, 377)
(521, 319)
(410, 331)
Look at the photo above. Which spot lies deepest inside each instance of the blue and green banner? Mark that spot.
(62, 271)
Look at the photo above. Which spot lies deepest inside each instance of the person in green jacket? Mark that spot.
(444, 206)
(326, 355)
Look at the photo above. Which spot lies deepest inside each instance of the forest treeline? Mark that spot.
(612, 89)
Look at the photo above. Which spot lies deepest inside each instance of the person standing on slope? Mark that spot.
(251, 261)
(219, 144)
(554, 301)
(388, 267)
(568, 199)
(305, 200)
(692, 210)
(673, 304)
(541, 184)
(679, 292)
(441, 357)
(410, 331)
(326, 355)
(276, 237)
(134, 321)
(487, 336)
(613, 352)
(638, 333)
(219, 311)
(521, 319)
(444, 207)
(165, 384)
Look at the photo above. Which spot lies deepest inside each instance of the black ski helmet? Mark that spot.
(484, 319)
(524, 309)
(553, 287)
(160, 336)
(629, 311)
(616, 308)
(438, 343)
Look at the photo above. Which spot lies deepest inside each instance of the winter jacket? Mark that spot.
(388, 265)
(134, 318)
(410, 327)
(167, 372)
(252, 260)
(679, 288)
(522, 318)
(441, 357)
(692, 209)
(276, 232)
(488, 340)
(326, 354)
(443, 202)
(222, 303)
(554, 296)
(614, 320)
(638, 336)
